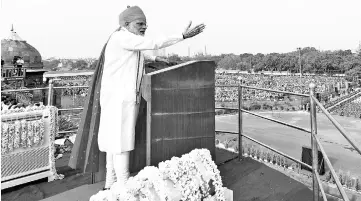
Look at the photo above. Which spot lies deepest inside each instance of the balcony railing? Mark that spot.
(13, 73)
(315, 142)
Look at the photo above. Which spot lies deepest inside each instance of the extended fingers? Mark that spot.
(190, 24)
(194, 31)
(197, 30)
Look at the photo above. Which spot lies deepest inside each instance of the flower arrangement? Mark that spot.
(264, 156)
(283, 161)
(243, 150)
(258, 153)
(274, 159)
(192, 177)
(194, 171)
(329, 177)
(348, 178)
(54, 129)
(28, 133)
(341, 177)
(278, 160)
(21, 134)
(253, 151)
(358, 185)
(269, 156)
(4, 138)
(249, 148)
(27, 109)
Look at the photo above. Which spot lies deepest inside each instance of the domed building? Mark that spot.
(29, 71)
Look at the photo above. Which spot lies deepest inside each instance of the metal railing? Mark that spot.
(315, 142)
(51, 89)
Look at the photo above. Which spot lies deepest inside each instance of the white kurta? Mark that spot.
(119, 110)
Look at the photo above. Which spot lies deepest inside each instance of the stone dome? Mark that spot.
(13, 46)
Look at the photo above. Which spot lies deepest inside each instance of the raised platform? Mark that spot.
(249, 180)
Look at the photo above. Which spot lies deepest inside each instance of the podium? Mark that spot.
(176, 113)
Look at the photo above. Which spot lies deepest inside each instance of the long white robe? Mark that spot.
(119, 110)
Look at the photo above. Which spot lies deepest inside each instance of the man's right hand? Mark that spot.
(191, 32)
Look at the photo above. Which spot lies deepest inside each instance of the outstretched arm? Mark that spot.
(134, 42)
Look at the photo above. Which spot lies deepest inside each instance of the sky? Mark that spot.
(80, 28)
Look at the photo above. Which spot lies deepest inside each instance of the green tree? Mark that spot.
(229, 62)
(79, 64)
(93, 65)
(51, 65)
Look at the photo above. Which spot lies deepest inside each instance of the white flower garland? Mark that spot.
(42, 131)
(21, 134)
(11, 137)
(53, 113)
(30, 135)
(36, 129)
(24, 133)
(17, 136)
(27, 109)
(205, 156)
(148, 184)
(184, 178)
(184, 174)
(4, 137)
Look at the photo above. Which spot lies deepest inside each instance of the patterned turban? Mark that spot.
(131, 14)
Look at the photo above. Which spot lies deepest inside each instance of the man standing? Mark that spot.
(116, 86)
(120, 87)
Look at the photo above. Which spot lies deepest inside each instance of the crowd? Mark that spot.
(10, 104)
(331, 103)
(332, 90)
(281, 83)
(351, 109)
(296, 84)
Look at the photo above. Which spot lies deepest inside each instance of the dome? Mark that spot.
(13, 46)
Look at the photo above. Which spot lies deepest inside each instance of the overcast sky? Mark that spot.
(79, 28)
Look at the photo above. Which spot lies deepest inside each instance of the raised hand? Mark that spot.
(191, 32)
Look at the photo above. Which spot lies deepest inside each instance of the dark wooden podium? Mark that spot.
(176, 114)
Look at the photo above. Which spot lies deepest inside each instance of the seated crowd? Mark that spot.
(230, 94)
(293, 84)
(350, 109)
(9, 103)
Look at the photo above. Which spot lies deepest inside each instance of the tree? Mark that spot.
(93, 65)
(174, 58)
(358, 50)
(51, 65)
(229, 62)
(79, 65)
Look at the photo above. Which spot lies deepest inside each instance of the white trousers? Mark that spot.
(117, 166)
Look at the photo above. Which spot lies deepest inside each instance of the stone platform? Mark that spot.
(248, 179)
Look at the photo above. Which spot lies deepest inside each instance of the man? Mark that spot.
(120, 87)
(121, 76)
(19, 62)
